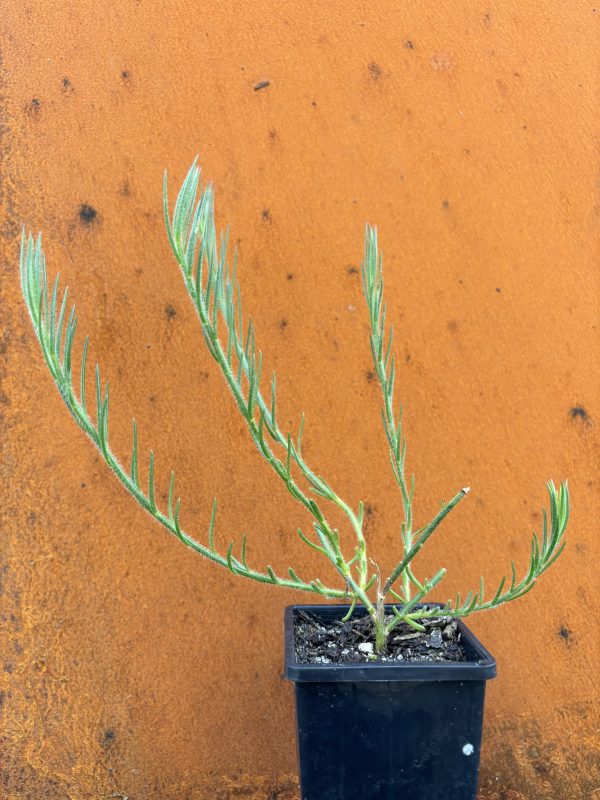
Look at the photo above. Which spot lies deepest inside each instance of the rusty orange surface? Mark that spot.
(130, 667)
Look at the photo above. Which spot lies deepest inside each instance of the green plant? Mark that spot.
(215, 293)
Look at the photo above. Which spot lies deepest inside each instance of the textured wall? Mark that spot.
(131, 668)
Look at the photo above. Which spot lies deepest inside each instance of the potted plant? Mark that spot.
(389, 685)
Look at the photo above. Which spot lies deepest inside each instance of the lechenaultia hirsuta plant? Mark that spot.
(212, 285)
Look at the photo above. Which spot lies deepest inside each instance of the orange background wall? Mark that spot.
(132, 668)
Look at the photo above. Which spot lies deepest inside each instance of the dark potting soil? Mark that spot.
(337, 642)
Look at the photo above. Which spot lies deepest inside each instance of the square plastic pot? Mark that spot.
(388, 731)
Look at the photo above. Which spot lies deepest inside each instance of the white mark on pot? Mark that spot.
(468, 749)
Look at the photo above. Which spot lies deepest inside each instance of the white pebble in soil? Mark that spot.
(468, 749)
(366, 647)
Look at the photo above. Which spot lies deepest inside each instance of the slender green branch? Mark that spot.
(56, 342)
(215, 293)
(385, 369)
(542, 555)
(422, 537)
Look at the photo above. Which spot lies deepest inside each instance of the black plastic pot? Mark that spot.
(388, 731)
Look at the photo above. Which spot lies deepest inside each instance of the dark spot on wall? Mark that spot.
(579, 412)
(273, 135)
(452, 325)
(283, 324)
(8, 668)
(374, 70)
(266, 214)
(409, 45)
(487, 19)
(125, 189)
(4, 399)
(369, 375)
(498, 289)
(290, 276)
(34, 106)
(87, 214)
(541, 768)
(82, 485)
(108, 738)
(565, 634)
(466, 151)
(314, 103)
(170, 312)
(446, 204)
(125, 74)
(261, 85)
(368, 516)
(351, 269)
(66, 84)
(31, 519)
(152, 398)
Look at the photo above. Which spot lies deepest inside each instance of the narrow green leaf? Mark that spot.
(414, 624)
(309, 543)
(151, 497)
(82, 374)
(351, 608)
(134, 457)
(498, 594)
(229, 559)
(271, 574)
(211, 527)
(289, 456)
(273, 400)
(176, 520)
(98, 398)
(60, 323)
(170, 500)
